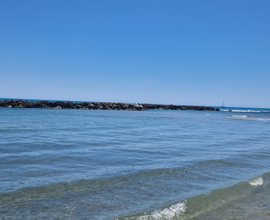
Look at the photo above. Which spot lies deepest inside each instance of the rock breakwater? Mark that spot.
(98, 105)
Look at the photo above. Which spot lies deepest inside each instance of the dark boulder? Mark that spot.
(100, 106)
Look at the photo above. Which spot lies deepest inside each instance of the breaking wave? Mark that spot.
(245, 111)
(242, 198)
(174, 211)
(258, 181)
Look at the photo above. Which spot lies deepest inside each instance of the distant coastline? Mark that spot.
(11, 103)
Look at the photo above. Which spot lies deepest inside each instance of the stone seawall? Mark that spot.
(98, 106)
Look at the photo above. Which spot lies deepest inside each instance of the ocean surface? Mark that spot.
(157, 164)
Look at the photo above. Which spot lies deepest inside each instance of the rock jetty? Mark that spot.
(98, 106)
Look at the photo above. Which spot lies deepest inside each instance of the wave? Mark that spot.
(243, 111)
(146, 191)
(174, 211)
(99, 199)
(242, 201)
(258, 181)
(250, 117)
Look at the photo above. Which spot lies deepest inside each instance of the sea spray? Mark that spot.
(258, 181)
(174, 211)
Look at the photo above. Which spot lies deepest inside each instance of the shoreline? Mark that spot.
(99, 105)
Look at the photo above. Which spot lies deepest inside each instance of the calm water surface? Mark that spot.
(94, 164)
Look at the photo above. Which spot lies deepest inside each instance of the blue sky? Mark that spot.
(188, 52)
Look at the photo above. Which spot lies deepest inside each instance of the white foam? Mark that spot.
(244, 111)
(258, 181)
(167, 213)
(240, 116)
(248, 117)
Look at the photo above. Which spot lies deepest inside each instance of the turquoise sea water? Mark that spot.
(94, 164)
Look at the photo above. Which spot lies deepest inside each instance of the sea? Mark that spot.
(139, 165)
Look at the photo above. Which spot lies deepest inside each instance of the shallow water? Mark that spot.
(79, 164)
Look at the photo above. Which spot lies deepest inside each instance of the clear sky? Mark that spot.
(190, 52)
